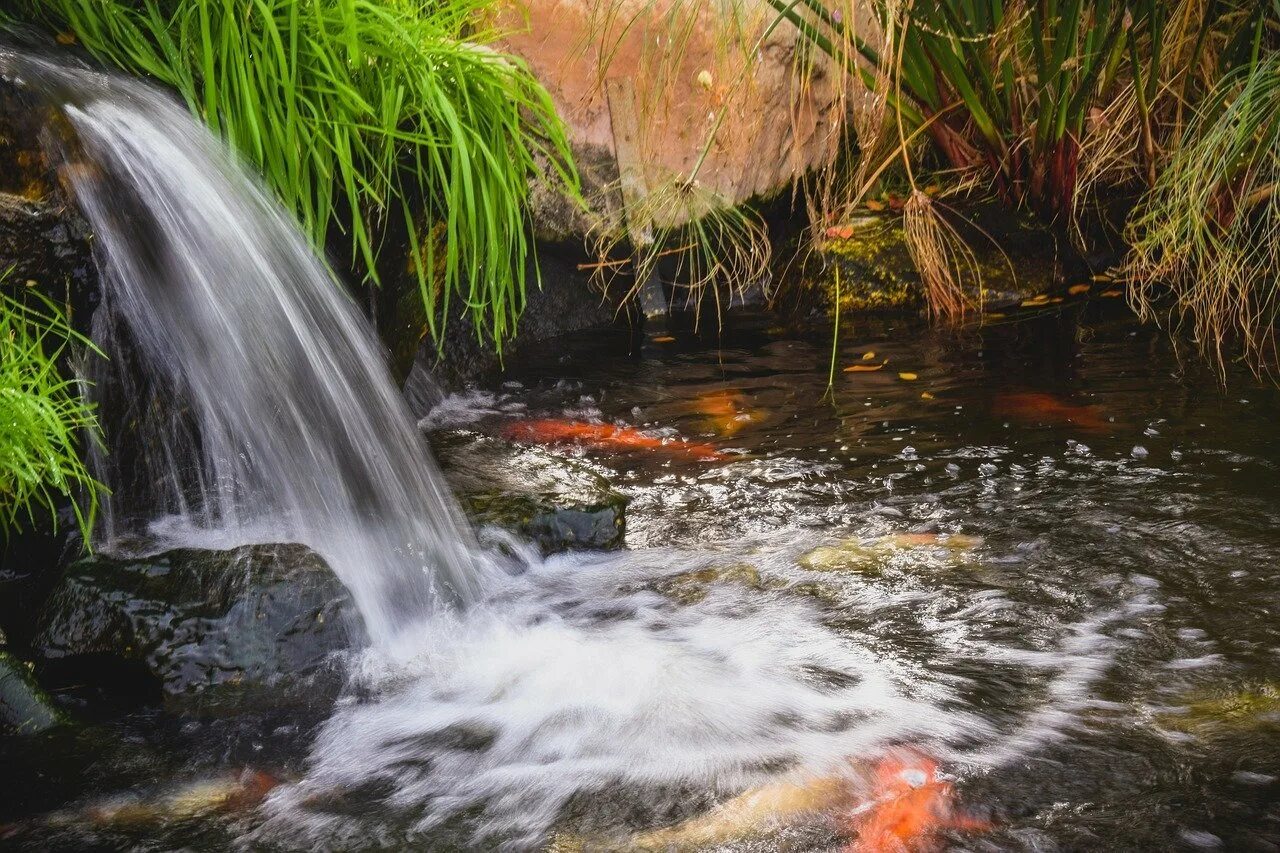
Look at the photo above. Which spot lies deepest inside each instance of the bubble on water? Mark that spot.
(1139, 452)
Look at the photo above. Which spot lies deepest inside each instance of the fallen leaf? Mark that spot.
(664, 339)
(995, 315)
(840, 232)
(704, 79)
(1077, 289)
(925, 395)
(863, 368)
(1101, 277)
(908, 377)
(1112, 293)
(868, 355)
(65, 38)
(872, 204)
(1039, 299)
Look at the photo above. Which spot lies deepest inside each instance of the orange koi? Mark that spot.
(726, 412)
(1037, 408)
(911, 806)
(606, 437)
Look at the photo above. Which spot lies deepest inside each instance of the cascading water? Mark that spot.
(266, 413)
(300, 430)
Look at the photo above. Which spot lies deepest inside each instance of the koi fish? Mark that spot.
(910, 807)
(726, 412)
(753, 813)
(1038, 408)
(187, 801)
(606, 437)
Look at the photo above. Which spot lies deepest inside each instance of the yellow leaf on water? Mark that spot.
(925, 395)
(664, 339)
(994, 315)
(1112, 293)
(1077, 289)
(908, 377)
(1039, 299)
(1101, 277)
(868, 355)
(863, 368)
(872, 204)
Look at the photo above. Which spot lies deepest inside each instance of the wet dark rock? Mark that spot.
(246, 629)
(557, 504)
(25, 709)
(560, 299)
(44, 242)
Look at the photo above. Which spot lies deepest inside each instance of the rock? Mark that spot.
(557, 504)
(25, 709)
(1017, 258)
(846, 556)
(778, 109)
(252, 627)
(692, 587)
(43, 239)
(871, 556)
(1253, 707)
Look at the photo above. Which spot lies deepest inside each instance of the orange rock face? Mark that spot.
(775, 106)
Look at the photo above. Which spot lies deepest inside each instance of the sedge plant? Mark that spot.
(44, 418)
(357, 112)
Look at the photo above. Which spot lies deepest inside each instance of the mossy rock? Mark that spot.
(557, 504)
(25, 709)
(871, 556)
(1253, 707)
(693, 586)
(250, 628)
(1016, 259)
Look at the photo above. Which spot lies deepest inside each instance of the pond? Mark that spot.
(1035, 562)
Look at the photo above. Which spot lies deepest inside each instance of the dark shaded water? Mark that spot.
(1094, 656)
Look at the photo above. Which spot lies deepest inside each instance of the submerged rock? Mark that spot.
(691, 587)
(1253, 707)
(858, 555)
(555, 503)
(25, 709)
(249, 628)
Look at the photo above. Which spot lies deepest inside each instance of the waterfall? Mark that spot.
(289, 420)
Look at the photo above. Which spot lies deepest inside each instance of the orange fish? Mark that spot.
(606, 437)
(726, 412)
(910, 807)
(1036, 408)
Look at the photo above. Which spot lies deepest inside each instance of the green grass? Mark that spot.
(43, 419)
(356, 112)
(1209, 231)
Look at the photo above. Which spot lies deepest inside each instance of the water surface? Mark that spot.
(1049, 560)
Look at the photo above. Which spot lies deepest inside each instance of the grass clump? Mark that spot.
(43, 419)
(1208, 233)
(357, 112)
